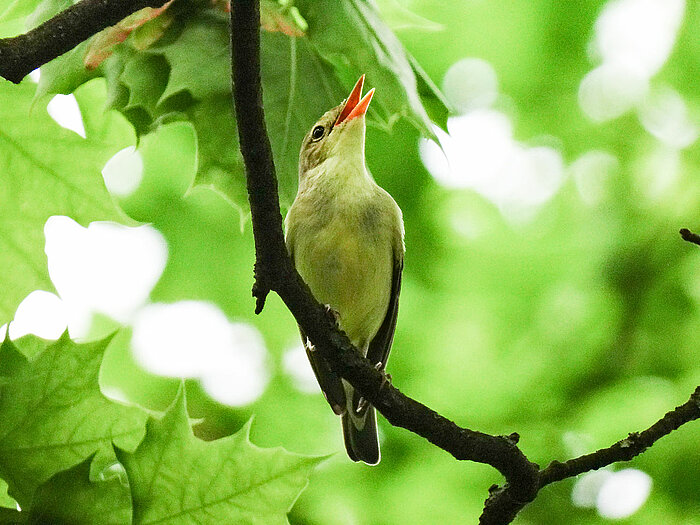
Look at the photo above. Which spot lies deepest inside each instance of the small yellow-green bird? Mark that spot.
(345, 236)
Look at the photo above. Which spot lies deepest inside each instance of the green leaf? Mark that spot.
(71, 498)
(274, 16)
(46, 170)
(53, 415)
(5, 500)
(178, 478)
(350, 35)
(198, 58)
(298, 88)
(398, 17)
(14, 9)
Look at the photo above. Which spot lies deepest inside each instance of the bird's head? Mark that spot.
(339, 132)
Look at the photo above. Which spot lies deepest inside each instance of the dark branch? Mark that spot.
(625, 449)
(22, 54)
(690, 236)
(274, 271)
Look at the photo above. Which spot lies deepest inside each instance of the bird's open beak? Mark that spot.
(356, 105)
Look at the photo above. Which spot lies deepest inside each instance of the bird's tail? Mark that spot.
(360, 430)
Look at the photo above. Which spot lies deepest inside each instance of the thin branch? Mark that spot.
(625, 449)
(20, 55)
(689, 236)
(501, 508)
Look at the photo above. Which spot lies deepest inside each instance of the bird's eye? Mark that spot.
(317, 133)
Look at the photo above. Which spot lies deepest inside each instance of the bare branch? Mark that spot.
(690, 236)
(22, 54)
(625, 449)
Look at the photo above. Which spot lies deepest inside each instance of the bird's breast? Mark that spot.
(346, 258)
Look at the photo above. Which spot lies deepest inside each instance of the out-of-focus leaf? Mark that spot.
(5, 500)
(350, 35)
(283, 18)
(52, 415)
(238, 482)
(13, 9)
(46, 170)
(398, 17)
(300, 88)
(71, 498)
(102, 44)
(198, 58)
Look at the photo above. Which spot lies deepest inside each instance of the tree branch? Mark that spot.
(20, 55)
(690, 236)
(625, 449)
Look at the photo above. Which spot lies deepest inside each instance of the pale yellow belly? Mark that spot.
(351, 271)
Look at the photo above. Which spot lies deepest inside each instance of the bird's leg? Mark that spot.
(386, 378)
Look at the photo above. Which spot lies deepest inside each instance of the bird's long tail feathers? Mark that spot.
(360, 430)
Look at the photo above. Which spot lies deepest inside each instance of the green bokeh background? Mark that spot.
(572, 329)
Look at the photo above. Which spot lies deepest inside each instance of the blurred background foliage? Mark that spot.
(546, 290)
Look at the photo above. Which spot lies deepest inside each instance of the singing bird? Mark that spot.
(345, 236)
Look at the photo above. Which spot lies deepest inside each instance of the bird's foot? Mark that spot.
(386, 379)
(332, 313)
(361, 405)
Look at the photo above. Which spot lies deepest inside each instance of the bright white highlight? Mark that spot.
(616, 495)
(469, 84)
(623, 493)
(609, 91)
(195, 339)
(40, 313)
(665, 115)
(65, 111)
(585, 491)
(35, 75)
(638, 35)
(106, 268)
(480, 153)
(297, 366)
(123, 172)
(634, 39)
(591, 172)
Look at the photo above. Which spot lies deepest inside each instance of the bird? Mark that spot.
(345, 235)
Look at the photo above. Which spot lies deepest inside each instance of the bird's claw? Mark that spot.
(332, 313)
(361, 405)
(386, 378)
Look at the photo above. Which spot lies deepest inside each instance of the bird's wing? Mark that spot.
(330, 383)
(380, 346)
